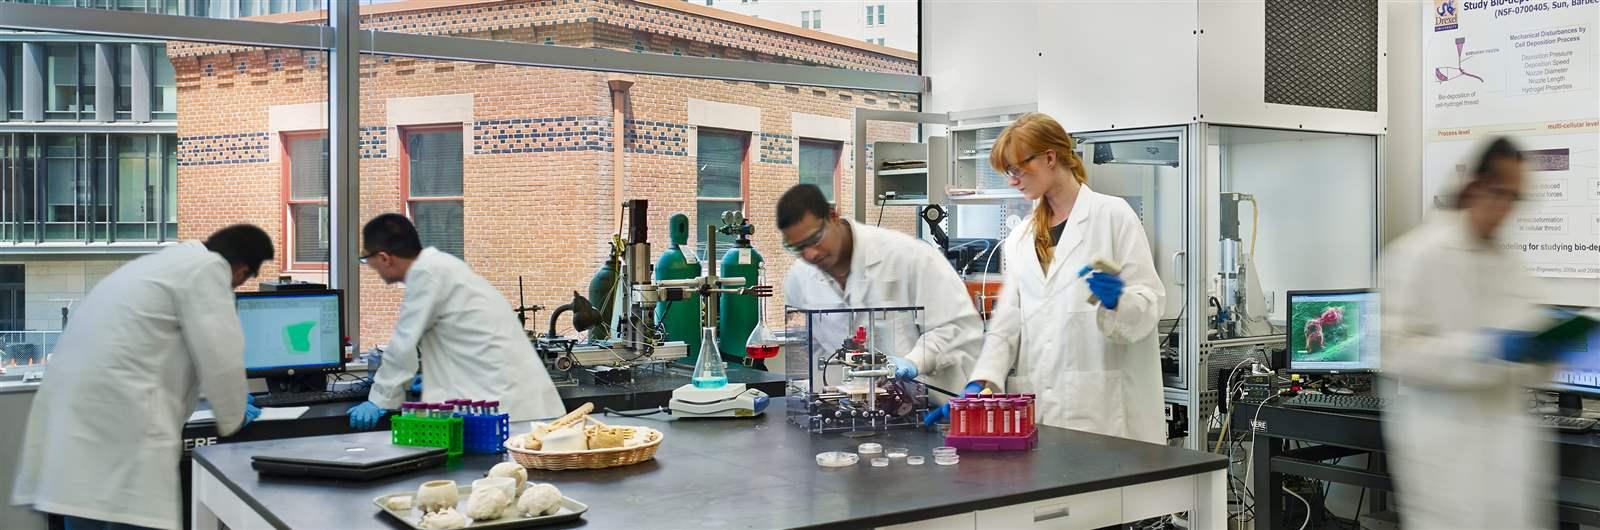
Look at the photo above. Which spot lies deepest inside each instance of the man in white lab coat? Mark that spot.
(844, 264)
(1466, 452)
(104, 435)
(470, 342)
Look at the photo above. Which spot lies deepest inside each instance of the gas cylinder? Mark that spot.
(738, 313)
(680, 317)
(601, 294)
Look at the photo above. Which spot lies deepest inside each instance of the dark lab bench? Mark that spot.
(1328, 436)
(757, 473)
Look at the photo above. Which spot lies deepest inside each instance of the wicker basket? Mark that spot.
(591, 459)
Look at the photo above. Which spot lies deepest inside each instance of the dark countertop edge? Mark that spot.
(895, 518)
(199, 456)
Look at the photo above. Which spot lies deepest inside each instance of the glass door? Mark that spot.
(1149, 169)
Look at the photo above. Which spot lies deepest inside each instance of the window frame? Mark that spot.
(743, 200)
(405, 132)
(291, 262)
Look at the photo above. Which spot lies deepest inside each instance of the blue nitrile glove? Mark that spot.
(943, 412)
(1515, 346)
(416, 384)
(1108, 287)
(904, 369)
(365, 416)
(251, 411)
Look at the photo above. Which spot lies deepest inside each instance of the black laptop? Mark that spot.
(325, 458)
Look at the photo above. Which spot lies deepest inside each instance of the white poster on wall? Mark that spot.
(1528, 70)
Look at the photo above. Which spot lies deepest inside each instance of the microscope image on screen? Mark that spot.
(1327, 334)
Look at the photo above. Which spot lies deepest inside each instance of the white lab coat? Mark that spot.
(1465, 451)
(472, 346)
(1092, 369)
(104, 435)
(890, 269)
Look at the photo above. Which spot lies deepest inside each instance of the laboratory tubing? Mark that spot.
(494, 408)
(1018, 410)
(958, 410)
(880, 462)
(1031, 401)
(1004, 406)
(914, 460)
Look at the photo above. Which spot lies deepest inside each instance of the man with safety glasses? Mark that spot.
(844, 264)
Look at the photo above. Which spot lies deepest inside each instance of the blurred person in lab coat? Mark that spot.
(1093, 366)
(103, 438)
(845, 264)
(470, 342)
(1465, 451)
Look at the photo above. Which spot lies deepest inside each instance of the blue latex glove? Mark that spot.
(943, 412)
(416, 384)
(904, 369)
(1108, 287)
(365, 416)
(251, 411)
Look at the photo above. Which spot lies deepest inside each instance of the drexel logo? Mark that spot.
(1444, 15)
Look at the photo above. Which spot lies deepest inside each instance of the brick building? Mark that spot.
(512, 167)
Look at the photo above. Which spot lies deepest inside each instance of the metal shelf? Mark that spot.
(894, 172)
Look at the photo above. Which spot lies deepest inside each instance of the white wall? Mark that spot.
(845, 18)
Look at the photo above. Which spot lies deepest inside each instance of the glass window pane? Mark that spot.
(164, 99)
(124, 78)
(709, 213)
(719, 163)
(308, 168)
(62, 70)
(310, 232)
(135, 189)
(434, 163)
(439, 224)
(86, 74)
(15, 86)
(819, 162)
(169, 156)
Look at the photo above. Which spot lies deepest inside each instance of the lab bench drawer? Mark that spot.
(962, 521)
(1086, 511)
(1159, 498)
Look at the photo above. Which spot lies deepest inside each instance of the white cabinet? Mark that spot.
(964, 521)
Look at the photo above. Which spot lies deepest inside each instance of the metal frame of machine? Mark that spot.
(867, 398)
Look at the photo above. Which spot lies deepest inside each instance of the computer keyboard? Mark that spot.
(300, 399)
(1567, 423)
(1337, 403)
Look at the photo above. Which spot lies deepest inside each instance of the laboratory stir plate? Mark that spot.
(730, 401)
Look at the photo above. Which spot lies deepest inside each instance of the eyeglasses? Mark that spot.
(800, 246)
(1015, 170)
(363, 259)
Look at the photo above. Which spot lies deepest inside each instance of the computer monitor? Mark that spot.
(1333, 331)
(1581, 375)
(291, 333)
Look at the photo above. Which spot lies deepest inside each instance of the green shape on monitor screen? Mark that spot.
(298, 336)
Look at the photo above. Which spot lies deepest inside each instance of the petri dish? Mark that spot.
(944, 450)
(897, 452)
(837, 459)
(880, 462)
(914, 460)
(947, 460)
(870, 448)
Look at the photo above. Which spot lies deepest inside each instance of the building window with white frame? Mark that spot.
(432, 177)
(720, 168)
(306, 170)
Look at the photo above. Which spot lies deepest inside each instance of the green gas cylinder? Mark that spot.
(601, 294)
(680, 317)
(739, 314)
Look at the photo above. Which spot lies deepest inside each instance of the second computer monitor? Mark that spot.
(291, 332)
(1333, 331)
